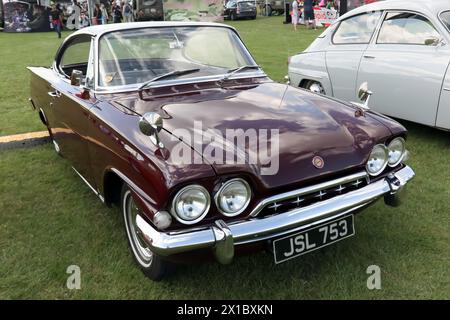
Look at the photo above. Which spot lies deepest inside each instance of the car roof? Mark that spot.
(104, 28)
(427, 7)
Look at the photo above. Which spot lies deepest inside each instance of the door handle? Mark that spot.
(369, 56)
(54, 94)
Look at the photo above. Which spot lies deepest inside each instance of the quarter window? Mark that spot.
(76, 55)
(357, 29)
(445, 17)
(406, 28)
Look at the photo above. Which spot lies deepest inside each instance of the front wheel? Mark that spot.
(151, 265)
(233, 16)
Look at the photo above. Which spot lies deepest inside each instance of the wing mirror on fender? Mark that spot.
(151, 124)
(364, 95)
(77, 79)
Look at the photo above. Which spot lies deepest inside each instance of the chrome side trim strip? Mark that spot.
(308, 190)
(89, 185)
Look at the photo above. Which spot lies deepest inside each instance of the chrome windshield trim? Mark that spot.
(308, 190)
(167, 83)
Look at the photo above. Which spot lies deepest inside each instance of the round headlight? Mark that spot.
(378, 160)
(396, 151)
(233, 197)
(191, 204)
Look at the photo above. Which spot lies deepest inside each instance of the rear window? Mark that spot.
(246, 5)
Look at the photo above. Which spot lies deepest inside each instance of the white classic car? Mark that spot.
(400, 48)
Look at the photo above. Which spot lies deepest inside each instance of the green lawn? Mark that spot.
(49, 219)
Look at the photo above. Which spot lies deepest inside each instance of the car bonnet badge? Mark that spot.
(318, 162)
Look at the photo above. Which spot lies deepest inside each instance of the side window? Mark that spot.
(75, 56)
(406, 28)
(357, 29)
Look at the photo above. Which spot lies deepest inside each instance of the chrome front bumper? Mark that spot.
(222, 237)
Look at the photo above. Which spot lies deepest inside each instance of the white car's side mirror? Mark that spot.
(435, 42)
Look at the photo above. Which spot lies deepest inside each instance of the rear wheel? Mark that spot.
(151, 265)
(315, 87)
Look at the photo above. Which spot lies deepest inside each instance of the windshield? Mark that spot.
(445, 17)
(138, 55)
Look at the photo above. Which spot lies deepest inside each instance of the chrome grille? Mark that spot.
(309, 195)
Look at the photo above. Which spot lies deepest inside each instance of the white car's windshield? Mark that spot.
(445, 17)
(138, 55)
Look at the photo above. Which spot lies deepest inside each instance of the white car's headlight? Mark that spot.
(191, 204)
(396, 151)
(378, 160)
(233, 197)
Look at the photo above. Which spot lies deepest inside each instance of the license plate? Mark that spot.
(295, 245)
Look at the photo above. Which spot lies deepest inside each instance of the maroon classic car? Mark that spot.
(204, 154)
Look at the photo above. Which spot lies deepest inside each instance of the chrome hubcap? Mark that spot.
(316, 88)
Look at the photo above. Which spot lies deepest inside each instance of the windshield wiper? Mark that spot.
(232, 72)
(167, 75)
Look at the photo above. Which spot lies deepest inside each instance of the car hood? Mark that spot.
(308, 126)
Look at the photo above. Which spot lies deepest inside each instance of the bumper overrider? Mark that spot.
(223, 237)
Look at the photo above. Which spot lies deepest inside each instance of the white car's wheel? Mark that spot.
(315, 87)
(151, 265)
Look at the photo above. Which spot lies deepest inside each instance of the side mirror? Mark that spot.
(76, 78)
(364, 95)
(151, 124)
(434, 41)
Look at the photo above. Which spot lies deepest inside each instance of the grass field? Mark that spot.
(49, 219)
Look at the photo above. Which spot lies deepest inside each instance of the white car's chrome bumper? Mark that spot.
(222, 237)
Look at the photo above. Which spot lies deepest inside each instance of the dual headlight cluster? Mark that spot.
(191, 204)
(382, 156)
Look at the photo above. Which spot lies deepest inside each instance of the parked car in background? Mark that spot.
(239, 9)
(148, 10)
(123, 104)
(401, 48)
(272, 6)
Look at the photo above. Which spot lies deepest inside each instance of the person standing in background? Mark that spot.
(104, 13)
(99, 13)
(95, 15)
(127, 12)
(294, 14)
(117, 14)
(309, 13)
(56, 13)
